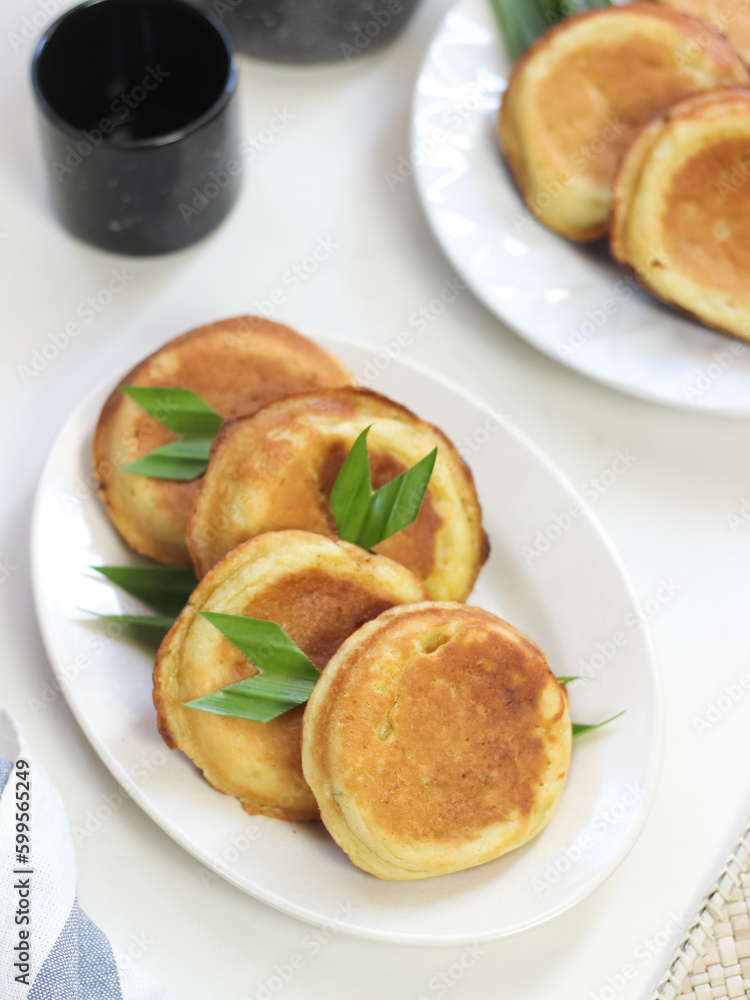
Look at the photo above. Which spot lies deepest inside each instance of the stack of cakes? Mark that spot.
(633, 122)
(437, 738)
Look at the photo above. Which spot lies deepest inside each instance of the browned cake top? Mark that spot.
(275, 470)
(319, 591)
(436, 724)
(237, 366)
(618, 75)
(318, 609)
(681, 211)
(707, 213)
(731, 17)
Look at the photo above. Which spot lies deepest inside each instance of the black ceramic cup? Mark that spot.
(310, 31)
(138, 112)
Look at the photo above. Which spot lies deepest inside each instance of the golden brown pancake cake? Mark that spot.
(319, 591)
(276, 470)
(681, 209)
(236, 365)
(436, 739)
(730, 17)
(577, 95)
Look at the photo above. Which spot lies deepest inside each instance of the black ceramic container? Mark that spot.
(306, 31)
(138, 111)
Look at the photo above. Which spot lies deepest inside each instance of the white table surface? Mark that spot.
(669, 515)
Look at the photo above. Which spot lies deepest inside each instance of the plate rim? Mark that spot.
(446, 247)
(262, 893)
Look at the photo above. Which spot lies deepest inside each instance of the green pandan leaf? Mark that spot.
(523, 21)
(352, 491)
(286, 679)
(184, 460)
(579, 729)
(149, 621)
(265, 644)
(260, 698)
(367, 518)
(185, 413)
(162, 587)
(146, 629)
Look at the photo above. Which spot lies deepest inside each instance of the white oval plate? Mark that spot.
(572, 598)
(570, 301)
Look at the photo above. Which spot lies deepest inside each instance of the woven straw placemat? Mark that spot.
(713, 959)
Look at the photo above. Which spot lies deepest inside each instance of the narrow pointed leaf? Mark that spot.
(366, 518)
(352, 490)
(184, 412)
(163, 622)
(568, 680)
(287, 676)
(550, 10)
(184, 460)
(259, 698)
(397, 504)
(162, 587)
(579, 729)
(265, 644)
(523, 21)
(146, 629)
(198, 449)
(581, 6)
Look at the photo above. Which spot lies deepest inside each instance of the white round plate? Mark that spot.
(553, 575)
(569, 300)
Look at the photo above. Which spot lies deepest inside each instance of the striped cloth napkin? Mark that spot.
(49, 948)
